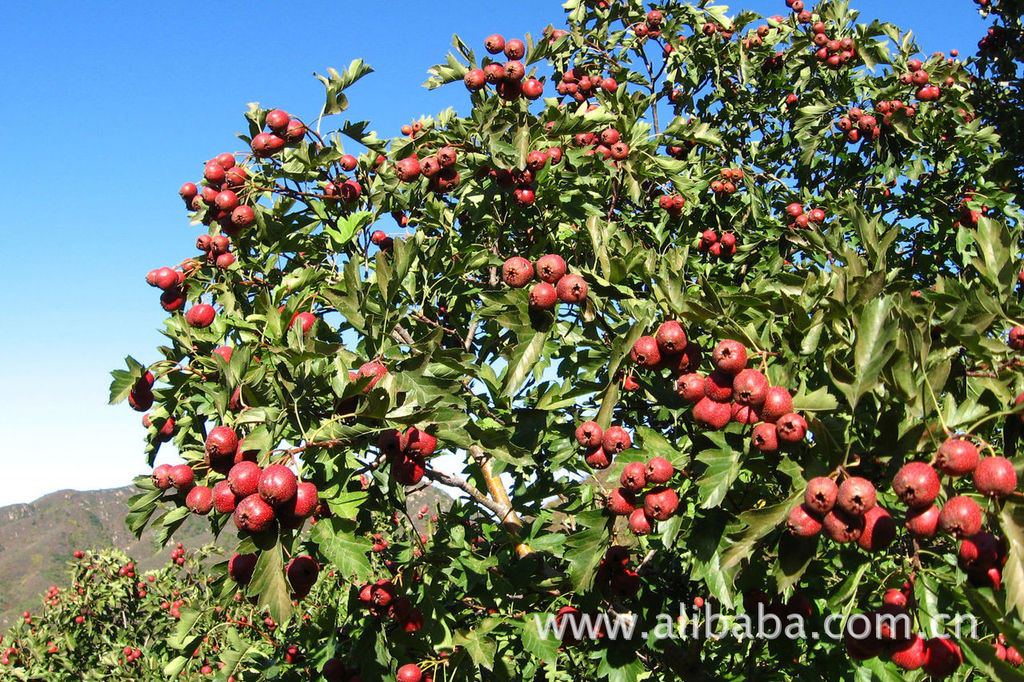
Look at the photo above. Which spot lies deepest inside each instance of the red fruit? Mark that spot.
(791, 428)
(711, 413)
(978, 553)
(253, 514)
(616, 439)
(277, 485)
(222, 441)
(517, 272)
(916, 484)
(922, 523)
(910, 655)
(408, 470)
(841, 527)
(794, 209)
(408, 169)
(266, 144)
(589, 434)
(161, 476)
(803, 521)
(571, 289)
(730, 356)
(551, 268)
(200, 315)
(691, 387)
(302, 571)
(235, 177)
(302, 506)
(277, 120)
(374, 370)
(995, 477)
(181, 476)
(474, 79)
(634, 477)
(942, 657)
(718, 386)
(241, 567)
(821, 494)
(199, 500)
(658, 470)
(533, 89)
(419, 443)
(494, 43)
(609, 85)
(188, 191)
(410, 672)
(621, 502)
(856, 496)
(879, 530)
(639, 522)
(744, 414)
(645, 352)
(543, 296)
(777, 402)
(894, 598)
(765, 437)
(223, 498)
(671, 337)
(226, 200)
(244, 478)
(214, 173)
(165, 278)
(957, 457)
(750, 387)
(961, 517)
(515, 49)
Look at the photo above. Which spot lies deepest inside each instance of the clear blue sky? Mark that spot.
(110, 109)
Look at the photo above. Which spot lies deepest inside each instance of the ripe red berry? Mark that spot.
(658, 470)
(199, 500)
(916, 484)
(856, 496)
(253, 514)
(551, 268)
(923, 523)
(821, 494)
(791, 428)
(730, 356)
(957, 457)
(995, 476)
(960, 517)
(621, 501)
(277, 485)
(803, 521)
(634, 477)
(571, 289)
(543, 296)
(200, 315)
(589, 434)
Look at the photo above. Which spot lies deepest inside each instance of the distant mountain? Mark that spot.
(37, 539)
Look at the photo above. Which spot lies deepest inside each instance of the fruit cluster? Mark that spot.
(178, 555)
(799, 218)
(438, 168)
(918, 485)
(579, 85)
(172, 283)
(858, 124)
(657, 504)
(832, 52)
(407, 452)
(284, 129)
(520, 180)
(381, 599)
(508, 77)
(727, 185)
(217, 249)
(846, 513)
(716, 246)
(555, 284)
(608, 144)
(601, 445)
(218, 194)
(672, 204)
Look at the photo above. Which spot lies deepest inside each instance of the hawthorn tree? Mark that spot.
(711, 311)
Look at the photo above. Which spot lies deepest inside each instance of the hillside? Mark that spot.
(37, 539)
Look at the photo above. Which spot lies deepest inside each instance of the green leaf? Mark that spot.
(270, 584)
(337, 541)
(524, 357)
(336, 83)
(723, 466)
(1011, 519)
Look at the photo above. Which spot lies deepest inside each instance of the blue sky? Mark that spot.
(110, 109)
